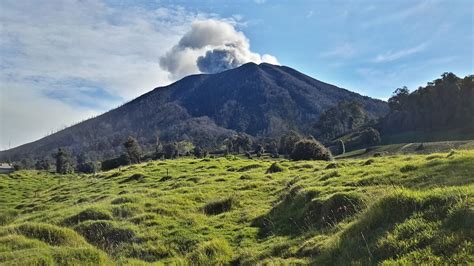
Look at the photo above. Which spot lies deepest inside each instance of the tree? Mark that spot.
(63, 162)
(87, 167)
(271, 146)
(399, 98)
(240, 142)
(198, 152)
(341, 148)
(259, 150)
(443, 104)
(287, 142)
(133, 150)
(340, 119)
(170, 150)
(42, 164)
(310, 150)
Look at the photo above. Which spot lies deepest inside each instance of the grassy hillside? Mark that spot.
(391, 209)
(410, 148)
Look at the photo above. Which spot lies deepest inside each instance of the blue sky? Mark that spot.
(70, 60)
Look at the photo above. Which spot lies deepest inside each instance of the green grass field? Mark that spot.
(394, 209)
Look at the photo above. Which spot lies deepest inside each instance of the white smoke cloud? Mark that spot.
(210, 46)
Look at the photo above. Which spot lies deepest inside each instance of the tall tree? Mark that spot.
(340, 119)
(63, 162)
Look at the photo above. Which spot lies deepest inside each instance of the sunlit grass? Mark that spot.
(391, 209)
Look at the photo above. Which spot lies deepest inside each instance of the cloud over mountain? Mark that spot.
(210, 46)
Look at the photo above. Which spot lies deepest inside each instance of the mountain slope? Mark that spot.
(261, 100)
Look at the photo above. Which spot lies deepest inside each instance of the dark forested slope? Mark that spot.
(261, 100)
(446, 103)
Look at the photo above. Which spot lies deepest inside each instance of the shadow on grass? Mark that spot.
(300, 212)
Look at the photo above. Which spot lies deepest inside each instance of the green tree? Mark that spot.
(63, 162)
(340, 119)
(42, 164)
(170, 150)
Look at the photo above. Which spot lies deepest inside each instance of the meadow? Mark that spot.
(390, 209)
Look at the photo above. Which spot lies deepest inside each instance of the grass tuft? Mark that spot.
(219, 206)
(275, 168)
(86, 215)
(213, 252)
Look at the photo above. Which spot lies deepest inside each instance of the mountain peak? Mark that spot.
(262, 100)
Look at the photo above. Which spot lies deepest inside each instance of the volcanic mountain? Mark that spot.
(261, 100)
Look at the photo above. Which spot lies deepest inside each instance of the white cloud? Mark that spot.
(392, 56)
(48, 49)
(48, 46)
(210, 46)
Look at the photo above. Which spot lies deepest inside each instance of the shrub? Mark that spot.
(310, 150)
(115, 162)
(214, 252)
(274, 168)
(87, 168)
(219, 206)
(86, 215)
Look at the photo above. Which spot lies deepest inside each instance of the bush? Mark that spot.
(274, 168)
(87, 168)
(214, 252)
(219, 206)
(310, 150)
(115, 162)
